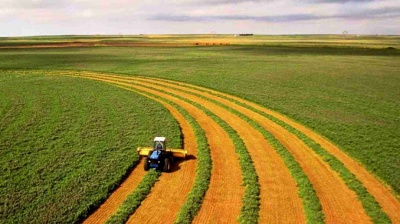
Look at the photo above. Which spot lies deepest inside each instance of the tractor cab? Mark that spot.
(159, 143)
(158, 156)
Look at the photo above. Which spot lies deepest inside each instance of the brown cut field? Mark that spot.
(279, 197)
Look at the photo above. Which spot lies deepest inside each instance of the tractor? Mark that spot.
(159, 157)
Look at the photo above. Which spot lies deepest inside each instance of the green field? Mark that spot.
(60, 133)
(66, 143)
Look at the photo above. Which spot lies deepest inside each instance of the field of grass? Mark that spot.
(345, 88)
(66, 143)
(350, 95)
(359, 41)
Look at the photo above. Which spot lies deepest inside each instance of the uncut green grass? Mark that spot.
(359, 41)
(66, 143)
(349, 95)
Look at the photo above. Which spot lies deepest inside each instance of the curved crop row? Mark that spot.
(170, 91)
(333, 211)
(272, 170)
(369, 198)
(223, 181)
(250, 209)
(204, 164)
(310, 200)
(346, 192)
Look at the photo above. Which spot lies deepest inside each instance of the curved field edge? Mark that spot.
(370, 204)
(82, 144)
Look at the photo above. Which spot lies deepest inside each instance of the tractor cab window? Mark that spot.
(158, 146)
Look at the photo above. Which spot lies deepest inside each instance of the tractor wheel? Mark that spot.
(167, 165)
(146, 164)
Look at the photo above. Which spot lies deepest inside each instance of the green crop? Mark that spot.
(67, 143)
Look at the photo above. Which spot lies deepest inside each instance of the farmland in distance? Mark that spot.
(344, 89)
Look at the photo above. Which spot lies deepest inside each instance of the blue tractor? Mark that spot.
(159, 157)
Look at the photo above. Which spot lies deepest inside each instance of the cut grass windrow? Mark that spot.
(217, 123)
(309, 197)
(225, 191)
(133, 200)
(204, 165)
(369, 203)
(250, 209)
(251, 200)
(203, 173)
(371, 206)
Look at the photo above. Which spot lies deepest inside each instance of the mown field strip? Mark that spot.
(382, 194)
(222, 201)
(281, 202)
(279, 193)
(133, 201)
(343, 207)
(326, 182)
(169, 193)
(168, 202)
(112, 203)
(177, 89)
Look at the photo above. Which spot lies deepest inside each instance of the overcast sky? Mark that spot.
(48, 17)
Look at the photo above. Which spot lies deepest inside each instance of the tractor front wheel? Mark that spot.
(167, 165)
(146, 164)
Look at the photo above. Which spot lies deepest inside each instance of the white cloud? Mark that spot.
(36, 17)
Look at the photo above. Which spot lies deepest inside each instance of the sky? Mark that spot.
(91, 17)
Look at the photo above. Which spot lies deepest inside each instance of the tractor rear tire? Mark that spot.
(167, 165)
(146, 164)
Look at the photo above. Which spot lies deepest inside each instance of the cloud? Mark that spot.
(341, 1)
(37, 17)
(38, 4)
(387, 12)
(231, 1)
(283, 18)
